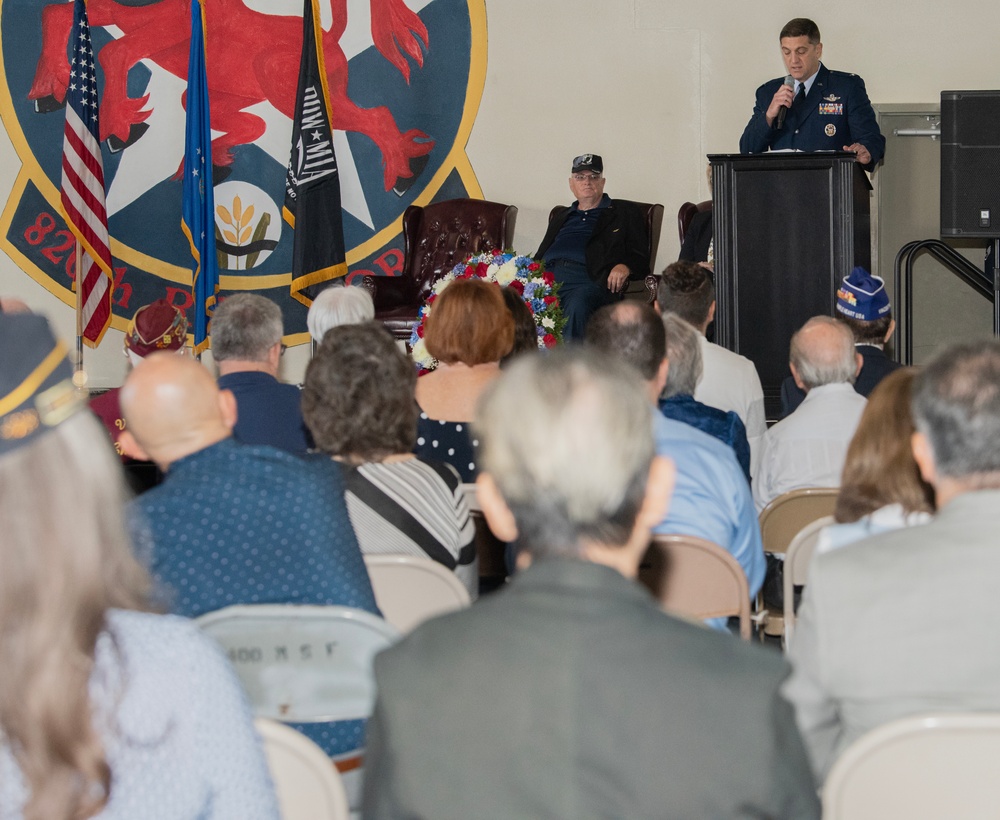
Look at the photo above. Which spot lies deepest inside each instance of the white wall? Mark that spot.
(653, 86)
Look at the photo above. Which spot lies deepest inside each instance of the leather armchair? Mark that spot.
(686, 213)
(437, 237)
(684, 216)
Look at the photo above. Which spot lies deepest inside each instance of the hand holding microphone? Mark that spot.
(782, 101)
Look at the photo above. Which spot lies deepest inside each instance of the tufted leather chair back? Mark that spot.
(437, 237)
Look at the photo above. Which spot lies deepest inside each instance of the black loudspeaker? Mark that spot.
(970, 163)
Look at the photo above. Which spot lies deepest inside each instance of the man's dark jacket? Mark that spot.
(836, 112)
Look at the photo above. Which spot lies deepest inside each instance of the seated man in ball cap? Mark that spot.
(594, 246)
(862, 305)
(157, 326)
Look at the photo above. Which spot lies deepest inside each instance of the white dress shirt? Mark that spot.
(729, 381)
(807, 449)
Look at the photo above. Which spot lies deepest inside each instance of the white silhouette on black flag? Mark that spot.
(312, 185)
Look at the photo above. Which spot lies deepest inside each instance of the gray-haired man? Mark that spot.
(906, 622)
(807, 449)
(246, 345)
(569, 694)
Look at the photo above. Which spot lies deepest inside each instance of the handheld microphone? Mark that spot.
(779, 121)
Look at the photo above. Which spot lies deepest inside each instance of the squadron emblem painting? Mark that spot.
(404, 77)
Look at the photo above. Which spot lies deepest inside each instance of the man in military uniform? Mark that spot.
(826, 110)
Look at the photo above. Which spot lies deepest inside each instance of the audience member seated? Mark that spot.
(808, 448)
(468, 332)
(593, 247)
(105, 708)
(338, 305)
(525, 329)
(881, 488)
(711, 497)
(358, 402)
(729, 381)
(587, 699)
(158, 326)
(903, 622)
(246, 346)
(234, 524)
(678, 402)
(697, 244)
(863, 305)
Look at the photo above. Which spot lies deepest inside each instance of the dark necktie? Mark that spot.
(800, 96)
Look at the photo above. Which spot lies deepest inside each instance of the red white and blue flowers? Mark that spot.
(523, 274)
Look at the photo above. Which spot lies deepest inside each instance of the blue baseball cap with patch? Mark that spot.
(862, 296)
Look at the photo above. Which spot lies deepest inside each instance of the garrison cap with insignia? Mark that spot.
(36, 381)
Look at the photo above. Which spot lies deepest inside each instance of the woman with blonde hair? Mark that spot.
(469, 331)
(106, 710)
(881, 488)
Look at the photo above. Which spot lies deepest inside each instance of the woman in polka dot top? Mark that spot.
(469, 330)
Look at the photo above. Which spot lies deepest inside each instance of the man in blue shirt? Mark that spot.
(246, 346)
(824, 110)
(234, 524)
(677, 400)
(711, 495)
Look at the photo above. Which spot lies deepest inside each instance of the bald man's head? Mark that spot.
(173, 408)
(822, 352)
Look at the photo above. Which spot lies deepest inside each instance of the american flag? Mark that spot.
(83, 184)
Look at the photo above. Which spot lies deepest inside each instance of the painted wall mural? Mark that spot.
(405, 79)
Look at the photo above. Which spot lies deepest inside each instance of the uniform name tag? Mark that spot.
(831, 108)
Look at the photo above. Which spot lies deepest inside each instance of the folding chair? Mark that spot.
(780, 521)
(307, 783)
(923, 767)
(696, 579)
(797, 560)
(409, 589)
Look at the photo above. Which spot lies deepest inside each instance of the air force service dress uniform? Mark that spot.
(836, 112)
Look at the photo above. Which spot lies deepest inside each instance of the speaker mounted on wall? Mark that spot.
(970, 163)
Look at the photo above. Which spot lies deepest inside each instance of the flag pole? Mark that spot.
(78, 252)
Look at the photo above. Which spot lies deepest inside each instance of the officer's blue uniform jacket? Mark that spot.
(836, 112)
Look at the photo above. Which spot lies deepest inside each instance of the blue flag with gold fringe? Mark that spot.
(312, 184)
(198, 210)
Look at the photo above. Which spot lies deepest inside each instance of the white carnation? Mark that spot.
(507, 273)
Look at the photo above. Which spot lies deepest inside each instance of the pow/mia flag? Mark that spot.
(312, 184)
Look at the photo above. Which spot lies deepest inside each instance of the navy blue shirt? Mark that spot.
(570, 243)
(233, 524)
(269, 412)
(725, 426)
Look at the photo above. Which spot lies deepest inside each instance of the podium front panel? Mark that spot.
(787, 228)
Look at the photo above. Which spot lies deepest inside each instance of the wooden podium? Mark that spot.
(788, 228)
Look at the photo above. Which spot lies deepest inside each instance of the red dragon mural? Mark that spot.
(243, 69)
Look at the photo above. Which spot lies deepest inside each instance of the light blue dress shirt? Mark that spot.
(711, 497)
